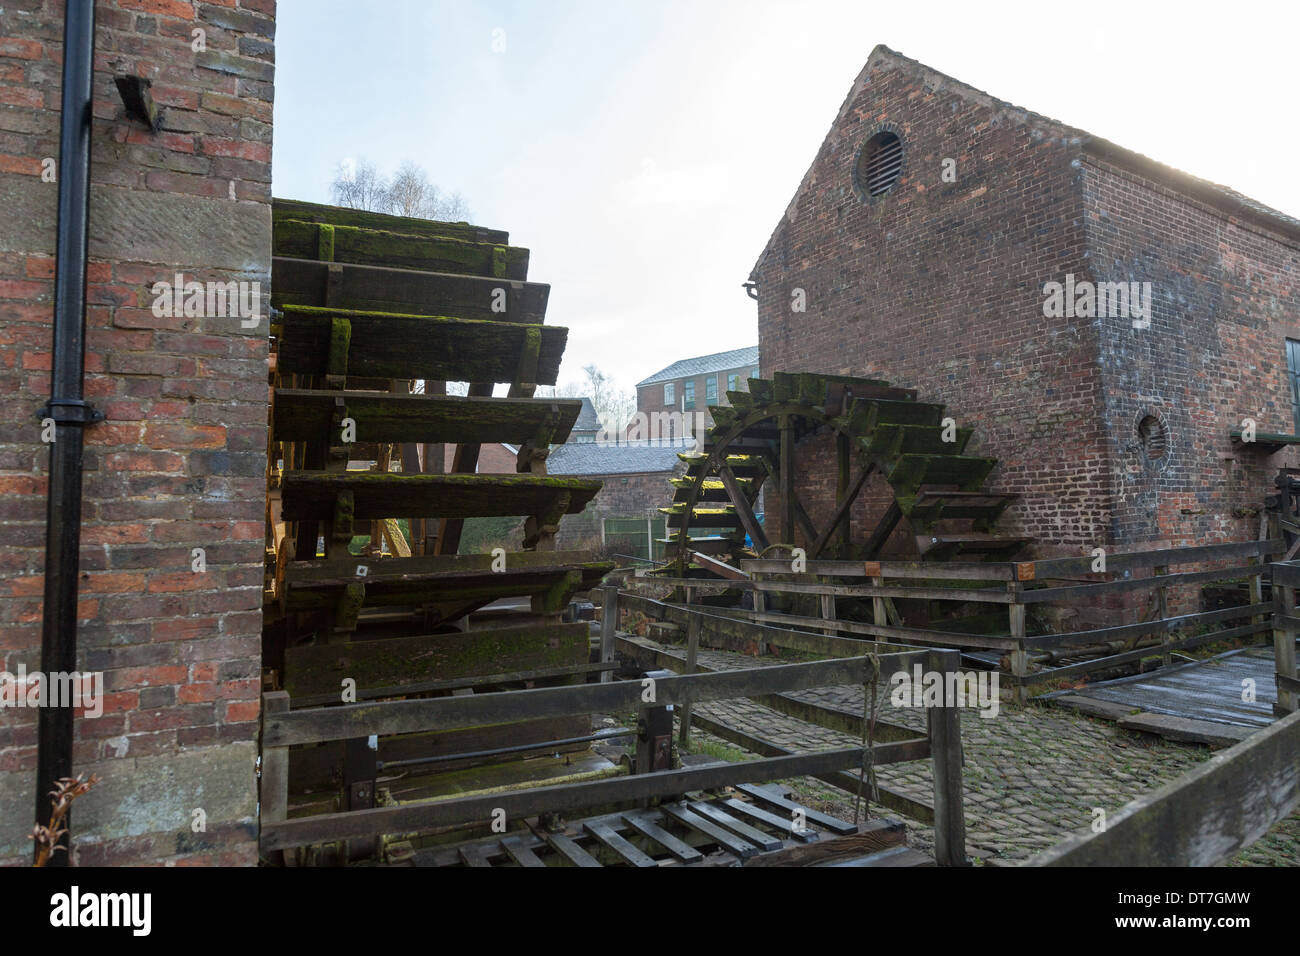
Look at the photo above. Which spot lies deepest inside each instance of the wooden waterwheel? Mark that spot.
(754, 447)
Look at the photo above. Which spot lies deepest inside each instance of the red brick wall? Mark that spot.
(1226, 296)
(621, 496)
(938, 286)
(179, 462)
(493, 459)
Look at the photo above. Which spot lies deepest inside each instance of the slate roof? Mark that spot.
(600, 458)
(703, 364)
(588, 420)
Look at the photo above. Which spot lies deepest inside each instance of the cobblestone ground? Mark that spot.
(1032, 775)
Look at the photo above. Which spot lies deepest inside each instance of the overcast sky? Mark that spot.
(645, 151)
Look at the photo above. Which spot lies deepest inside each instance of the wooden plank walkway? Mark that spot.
(1209, 690)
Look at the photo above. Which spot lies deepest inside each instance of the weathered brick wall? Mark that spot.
(1226, 296)
(179, 462)
(621, 496)
(493, 459)
(938, 286)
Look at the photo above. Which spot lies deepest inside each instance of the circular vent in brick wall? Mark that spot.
(880, 163)
(1153, 437)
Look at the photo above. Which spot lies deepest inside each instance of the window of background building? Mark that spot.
(753, 373)
(670, 394)
(1293, 376)
(688, 394)
(711, 388)
(733, 382)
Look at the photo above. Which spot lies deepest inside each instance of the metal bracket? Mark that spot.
(70, 411)
(138, 101)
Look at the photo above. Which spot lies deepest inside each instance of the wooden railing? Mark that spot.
(284, 728)
(1203, 817)
(1016, 586)
(1286, 624)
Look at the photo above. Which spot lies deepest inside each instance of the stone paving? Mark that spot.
(1032, 775)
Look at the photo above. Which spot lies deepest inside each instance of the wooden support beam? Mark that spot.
(744, 509)
(840, 519)
(785, 477)
(843, 516)
(888, 522)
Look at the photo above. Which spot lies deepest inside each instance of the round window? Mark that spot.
(880, 163)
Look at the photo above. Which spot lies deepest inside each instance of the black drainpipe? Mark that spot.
(67, 406)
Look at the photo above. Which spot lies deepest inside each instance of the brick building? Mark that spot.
(689, 386)
(921, 248)
(179, 461)
(624, 517)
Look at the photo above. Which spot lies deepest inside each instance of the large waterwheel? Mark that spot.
(754, 448)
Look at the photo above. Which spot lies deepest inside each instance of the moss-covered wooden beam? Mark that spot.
(486, 586)
(294, 209)
(388, 568)
(307, 495)
(713, 489)
(337, 243)
(391, 345)
(321, 669)
(305, 415)
(384, 289)
(910, 472)
(810, 388)
(893, 440)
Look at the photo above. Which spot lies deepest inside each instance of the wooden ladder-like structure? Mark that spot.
(368, 306)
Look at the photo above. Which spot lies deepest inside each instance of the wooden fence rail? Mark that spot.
(284, 727)
(1204, 817)
(1015, 586)
(1286, 624)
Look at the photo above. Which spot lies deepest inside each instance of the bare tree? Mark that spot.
(412, 194)
(408, 193)
(613, 404)
(359, 186)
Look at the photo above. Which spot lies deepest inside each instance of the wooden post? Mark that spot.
(828, 611)
(944, 725)
(692, 650)
(1162, 612)
(880, 616)
(1257, 588)
(273, 799)
(1019, 657)
(1284, 656)
(654, 742)
(608, 627)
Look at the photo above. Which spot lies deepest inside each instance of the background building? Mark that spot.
(919, 246)
(692, 385)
